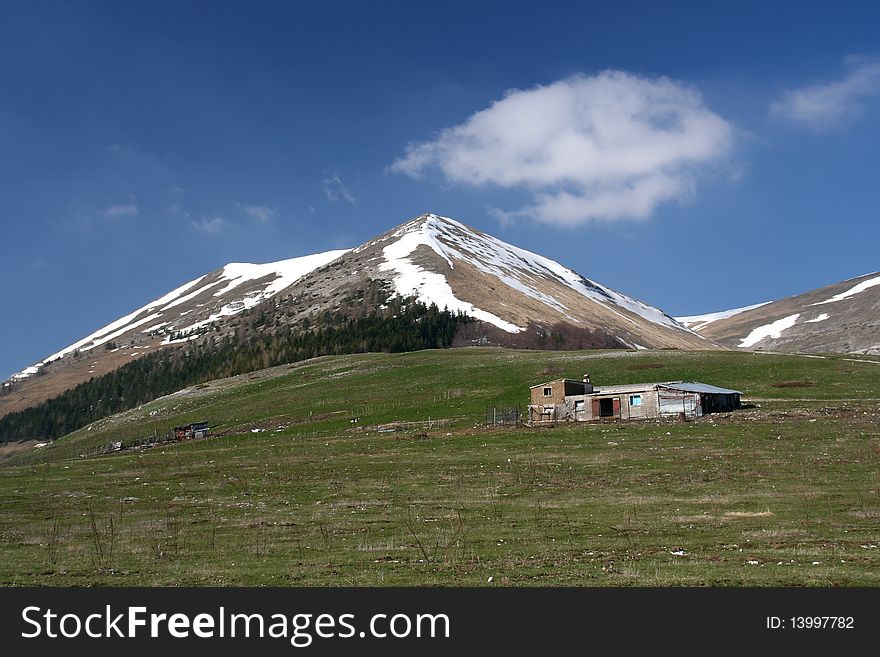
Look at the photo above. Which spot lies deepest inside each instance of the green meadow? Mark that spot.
(291, 490)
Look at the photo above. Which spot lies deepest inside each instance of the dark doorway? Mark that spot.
(606, 408)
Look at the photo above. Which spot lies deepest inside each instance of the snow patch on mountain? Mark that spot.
(820, 318)
(25, 373)
(489, 256)
(429, 287)
(124, 329)
(856, 289)
(174, 294)
(286, 272)
(112, 330)
(652, 314)
(191, 295)
(772, 330)
(155, 327)
(518, 267)
(699, 322)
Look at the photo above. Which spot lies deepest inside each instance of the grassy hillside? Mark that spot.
(400, 325)
(292, 492)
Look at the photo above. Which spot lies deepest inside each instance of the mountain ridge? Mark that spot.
(435, 259)
(842, 317)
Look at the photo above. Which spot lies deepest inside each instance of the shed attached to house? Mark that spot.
(707, 398)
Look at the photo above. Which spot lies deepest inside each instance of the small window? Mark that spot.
(635, 400)
(578, 405)
(548, 392)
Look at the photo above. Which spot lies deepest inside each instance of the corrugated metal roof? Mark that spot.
(626, 388)
(695, 386)
(556, 381)
(623, 388)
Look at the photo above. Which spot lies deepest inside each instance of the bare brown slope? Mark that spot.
(68, 373)
(852, 324)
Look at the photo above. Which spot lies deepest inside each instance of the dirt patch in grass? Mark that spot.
(748, 514)
(806, 383)
(773, 533)
(703, 517)
(646, 366)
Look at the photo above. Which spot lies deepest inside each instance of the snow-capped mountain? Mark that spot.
(437, 259)
(443, 261)
(842, 318)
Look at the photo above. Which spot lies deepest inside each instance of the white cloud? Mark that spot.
(829, 104)
(261, 213)
(121, 211)
(335, 190)
(605, 147)
(213, 225)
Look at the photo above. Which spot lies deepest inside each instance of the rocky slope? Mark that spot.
(841, 318)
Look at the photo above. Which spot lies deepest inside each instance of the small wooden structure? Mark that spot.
(568, 400)
(189, 431)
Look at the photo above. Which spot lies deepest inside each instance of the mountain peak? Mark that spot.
(433, 257)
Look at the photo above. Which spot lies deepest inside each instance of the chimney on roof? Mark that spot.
(587, 378)
(588, 387)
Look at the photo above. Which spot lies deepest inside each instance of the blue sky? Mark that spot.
(698, 156)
